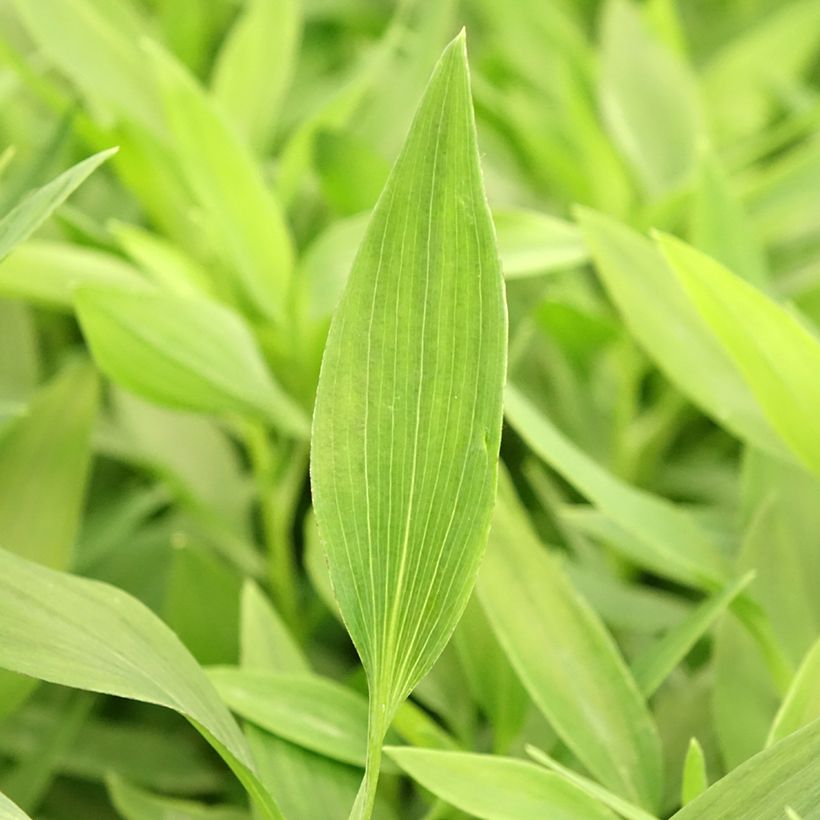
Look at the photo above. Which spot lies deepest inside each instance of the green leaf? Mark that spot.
(9, 811)
(801, 705)
(655, 664)
(133, 803)
(666, 540)
(95, 45)
(531, 243)
(720, 226)
(314, 712)
(497, 788)
(785, 774)
(566, 659)
(493, 682)
(17, 225)
(623, 807)
(142, 753)
(254, 66)
(408, 409)
(265, 642)
(44, 462)
(93, 636)
(695, 781)
(661, 318)
(648, 99)
(47, 272)
(168, 266)
(228, 184)
(306, 784)
(189, 354)
(772, 350)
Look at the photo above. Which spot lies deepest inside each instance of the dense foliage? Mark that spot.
(428, 424)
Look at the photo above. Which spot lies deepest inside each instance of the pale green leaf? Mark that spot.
(93, 636)
(497, 788)
(720, 226)
(408, 408)
(493, 682)
(772, 350)
(566, 659)
(531, 243)
(95, 45)
(133, 803)
(189, 354)
(313, 712)
(254, 66)
(622, 807)
(649, 101)
(47, 272)
(659, 315)
(9, 811)
(44, 462)
(654, 665)
(801, 705)
(38, 205)
(228, 184)
(695, 781)
(786, 774)
(167, 265)
(667, 540)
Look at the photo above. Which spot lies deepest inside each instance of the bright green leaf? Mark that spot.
(565, 658)
(254, 66)
(44, 462)
(786, 774)
(772, 350)
(666, 540)
(96, 637)
(695, 781)
(801, 705)
(649, 100)
(660, 316)
(313, 712)
(653, 666)
(190, 354)
(497, 788)
(38, 205)
(241, 210)
(47, 272)
(408, 408)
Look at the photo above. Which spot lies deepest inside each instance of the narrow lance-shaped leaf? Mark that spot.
(565, 658)
(408, 410)
(189, 354)
(776, 355)
(228, 184)
(786, 774)
(39, 204)
(93, 636)
(44, 460)
(695, 780)
(802, 702)
(666, 540)
(498, 788)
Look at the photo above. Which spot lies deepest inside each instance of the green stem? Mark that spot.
(754, 619)
(277, 491)
(376, 730)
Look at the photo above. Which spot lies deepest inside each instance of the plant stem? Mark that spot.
(277, 490)
(376, 730)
